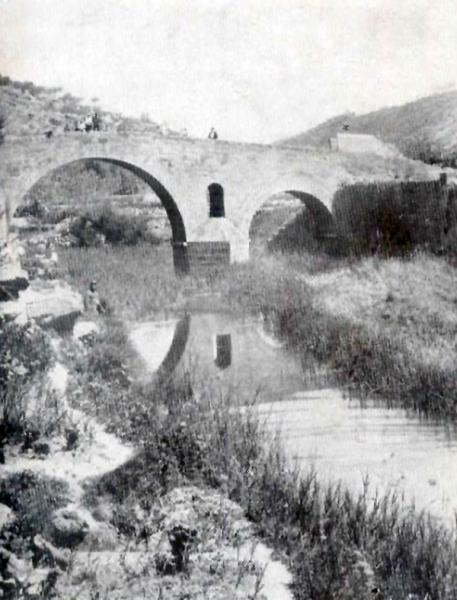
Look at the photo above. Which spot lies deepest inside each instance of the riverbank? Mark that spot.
(86, 507)
(384, 328)
(387, 326)
(336, 544)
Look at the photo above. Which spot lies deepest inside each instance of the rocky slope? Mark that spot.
(426, 124)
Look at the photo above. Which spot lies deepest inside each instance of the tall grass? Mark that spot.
(336, 544)
(362, 353)
(136, 281)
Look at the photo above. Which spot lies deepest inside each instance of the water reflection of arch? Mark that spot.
(177, 348)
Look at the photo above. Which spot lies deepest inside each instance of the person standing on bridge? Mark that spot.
(212, 134)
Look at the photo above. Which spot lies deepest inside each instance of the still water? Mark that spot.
(340, 437)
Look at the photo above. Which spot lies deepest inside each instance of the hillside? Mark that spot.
(26, 108)
(424, 129)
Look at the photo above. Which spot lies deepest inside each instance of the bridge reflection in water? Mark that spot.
(222, 349)
(342, 438)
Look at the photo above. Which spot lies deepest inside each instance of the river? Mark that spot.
(341, 438)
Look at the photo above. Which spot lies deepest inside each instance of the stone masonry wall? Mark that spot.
(181, 169)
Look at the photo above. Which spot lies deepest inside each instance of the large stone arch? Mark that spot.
(179, 237)
(317, 210)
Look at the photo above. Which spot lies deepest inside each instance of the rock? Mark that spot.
(181, 539)
(7, 516)
(38, 581)
(10, 288)
(8, 588)
(52, 304)
(18, 568)
(103, 511)
(100, 537)
(47, 554)
(68, 528)
(13, 278)
(30, 438)
(41, 448)
(72, 438)
(85, 328)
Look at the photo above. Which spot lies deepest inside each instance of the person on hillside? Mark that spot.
(212, 134)
(96, 122)
(88, 124)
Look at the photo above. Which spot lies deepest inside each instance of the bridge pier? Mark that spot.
(12, 278)
(180, 258)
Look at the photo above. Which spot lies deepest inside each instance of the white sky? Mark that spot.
(257, 70)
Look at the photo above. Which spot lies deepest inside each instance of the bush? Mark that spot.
(25, 354)
(93, 229)
(33, 209)
(33, 498)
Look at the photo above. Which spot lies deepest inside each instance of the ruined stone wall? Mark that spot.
(393, 216)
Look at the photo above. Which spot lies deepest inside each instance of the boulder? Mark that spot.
(7, 516)
(100, 537)
(13, 278)
(83, 329)
(52, 304)
(55, 305)
(47, 554)
(41, 448)
(68, 528)
(18, 569)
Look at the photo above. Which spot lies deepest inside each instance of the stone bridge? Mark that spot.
(187, 173)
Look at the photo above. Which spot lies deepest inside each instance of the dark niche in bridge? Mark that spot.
(216, 200)
(223, 350)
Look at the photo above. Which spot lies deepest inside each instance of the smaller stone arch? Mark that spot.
(296, 220)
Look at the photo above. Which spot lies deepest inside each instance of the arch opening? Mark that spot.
(166, 201)
(292, 221)
(216, 200)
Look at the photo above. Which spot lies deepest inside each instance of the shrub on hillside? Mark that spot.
(25, 354)
(33, 498)
(93, 229)
(33, 209)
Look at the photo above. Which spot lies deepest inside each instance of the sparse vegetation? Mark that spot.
(136, 280)
(337, 546)
(25, 354)
(97, 227)
(416, 128)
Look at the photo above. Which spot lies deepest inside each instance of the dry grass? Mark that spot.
(411, 301)
(135, 281)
